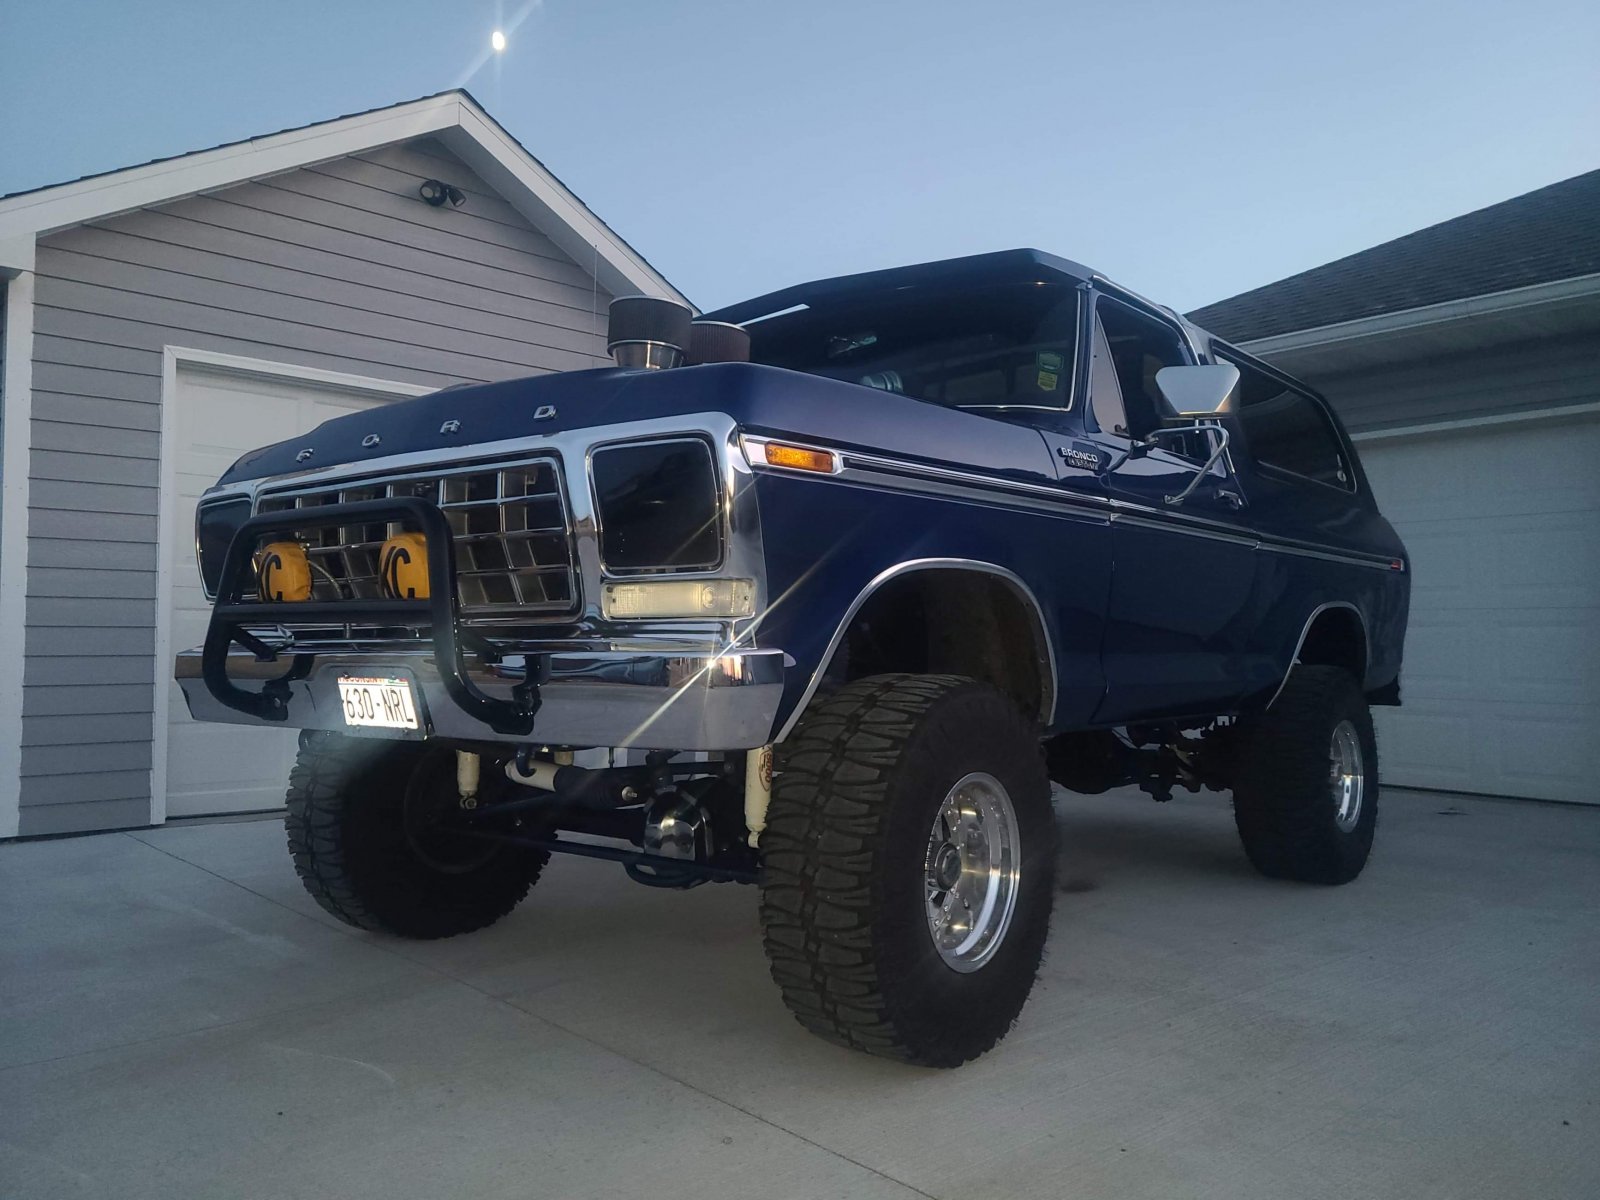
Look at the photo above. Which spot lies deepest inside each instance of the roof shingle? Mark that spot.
(1549, 234)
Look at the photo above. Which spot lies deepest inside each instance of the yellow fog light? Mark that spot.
(403, 567)
(283, 572)
(679, 598)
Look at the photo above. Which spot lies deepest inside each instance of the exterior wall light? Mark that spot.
(437, 192)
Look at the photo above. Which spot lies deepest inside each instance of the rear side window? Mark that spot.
(1289, 430)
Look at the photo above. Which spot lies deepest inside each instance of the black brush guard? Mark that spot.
(438, 613)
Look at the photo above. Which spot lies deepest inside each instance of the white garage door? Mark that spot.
(1501, 685)
(219, 415)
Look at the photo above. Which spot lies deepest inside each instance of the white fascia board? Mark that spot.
(16, 440)
(485, 147)
(458, 122)
(1535, 295)
(16, 255)
(69, 204)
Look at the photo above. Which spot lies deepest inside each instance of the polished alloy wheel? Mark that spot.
(974, 866)
(1346, 775)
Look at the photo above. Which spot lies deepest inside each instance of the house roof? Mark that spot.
(1546, 235)
(454, 118)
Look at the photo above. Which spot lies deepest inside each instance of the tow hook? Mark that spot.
(468, 765)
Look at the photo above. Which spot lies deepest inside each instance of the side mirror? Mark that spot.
(1198, 393)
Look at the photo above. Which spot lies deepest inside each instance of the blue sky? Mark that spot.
(1190, 151)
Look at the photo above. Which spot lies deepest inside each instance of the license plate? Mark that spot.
(381, 703)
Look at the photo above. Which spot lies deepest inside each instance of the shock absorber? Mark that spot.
(468, 766)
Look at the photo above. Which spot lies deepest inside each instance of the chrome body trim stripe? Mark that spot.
(960, 486)
(1047, 674)
(1199, 531)
(1119, 510)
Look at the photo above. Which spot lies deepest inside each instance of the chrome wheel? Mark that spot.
(974, 867)
(1347, 778)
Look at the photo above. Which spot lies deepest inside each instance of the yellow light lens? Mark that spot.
(679, 598)
(403, 567)
(283, 572)
(799, 458)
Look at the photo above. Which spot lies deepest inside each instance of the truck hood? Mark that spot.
(762, 399)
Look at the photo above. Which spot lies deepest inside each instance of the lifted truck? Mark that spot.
(851, 572)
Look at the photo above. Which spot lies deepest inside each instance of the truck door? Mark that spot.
(1184, 604)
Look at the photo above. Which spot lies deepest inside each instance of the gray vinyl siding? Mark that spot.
(5, 296)
(1496, 380)
(338, 266)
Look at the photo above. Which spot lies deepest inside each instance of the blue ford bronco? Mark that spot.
(821, 593)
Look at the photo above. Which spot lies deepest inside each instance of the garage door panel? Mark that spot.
(1512, 750)
(1425, 745)
(1509, 470)
(1551, 754)
(1550, 658)
(227, 768)
(1501, 684)
(1551, 561)
(1445, 563)
(1443, 651)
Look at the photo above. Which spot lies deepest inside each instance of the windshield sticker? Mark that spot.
(1048, 363)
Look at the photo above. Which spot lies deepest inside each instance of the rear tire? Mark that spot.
(359, 828)
(889, 787)
(1301, 812)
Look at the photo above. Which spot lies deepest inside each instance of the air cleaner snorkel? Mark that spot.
(647, 333)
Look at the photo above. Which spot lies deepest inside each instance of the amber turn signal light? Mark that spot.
(283, 572)
(794, 458)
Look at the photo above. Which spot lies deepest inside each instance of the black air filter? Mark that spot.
(646, 331)
(717, 341)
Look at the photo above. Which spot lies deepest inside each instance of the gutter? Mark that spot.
(1536, 295)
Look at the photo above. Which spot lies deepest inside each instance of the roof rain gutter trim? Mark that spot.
(1491, 303)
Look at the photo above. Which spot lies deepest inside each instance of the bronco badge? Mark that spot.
(1085, 458)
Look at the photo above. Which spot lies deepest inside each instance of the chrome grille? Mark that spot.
(512, 538)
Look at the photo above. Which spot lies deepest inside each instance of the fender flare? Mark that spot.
(1044, 646)
(1305, 631)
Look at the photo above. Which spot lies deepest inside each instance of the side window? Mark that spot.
(1105, 393)
(1129, 348)
(1289, 430)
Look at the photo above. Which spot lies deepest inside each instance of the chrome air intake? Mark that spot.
(646, 332)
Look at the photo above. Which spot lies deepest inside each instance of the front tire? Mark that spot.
(362, 831)
(909, 860)
(1305, 796)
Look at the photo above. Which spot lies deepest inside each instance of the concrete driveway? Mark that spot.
(181, 1021)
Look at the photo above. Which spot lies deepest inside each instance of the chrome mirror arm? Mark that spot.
(1145, 444)
(1135, 450)
(1216, 456)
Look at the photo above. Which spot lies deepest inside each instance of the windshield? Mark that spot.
(1004, 346)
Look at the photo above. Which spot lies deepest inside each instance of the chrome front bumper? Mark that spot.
(651, 699)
